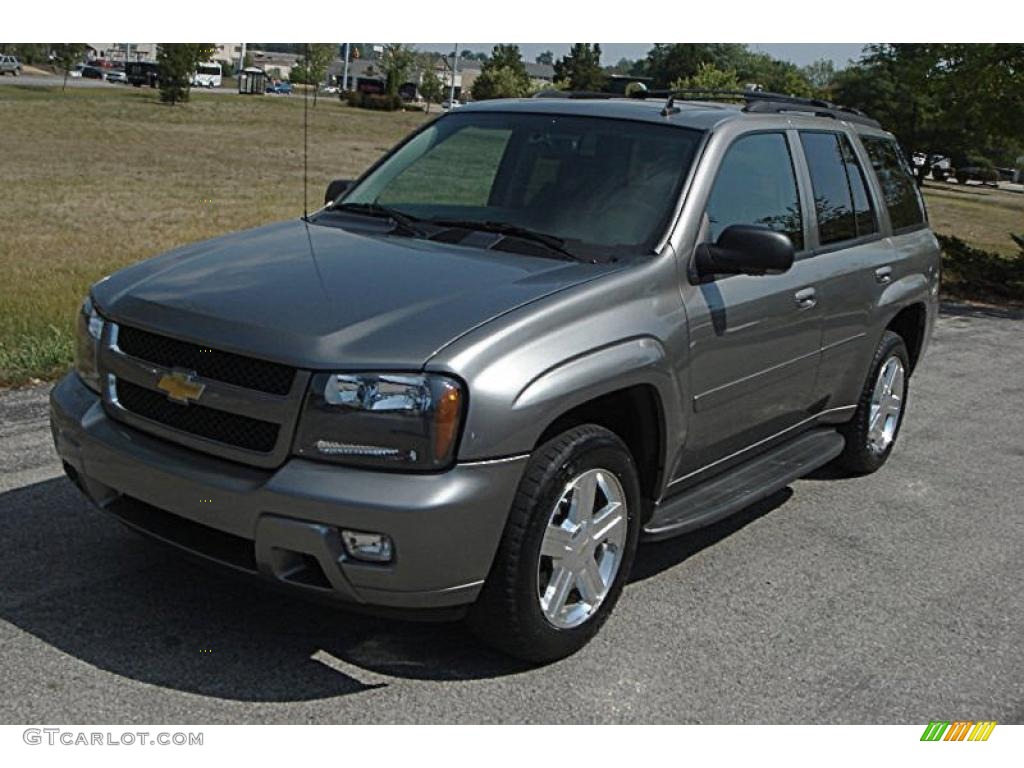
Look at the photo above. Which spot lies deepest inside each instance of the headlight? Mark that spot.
(382, 420)
(87, 339)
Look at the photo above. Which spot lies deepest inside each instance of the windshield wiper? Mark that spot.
(551, 242)
(403, 221)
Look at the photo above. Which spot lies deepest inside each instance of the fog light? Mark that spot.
(372, 547)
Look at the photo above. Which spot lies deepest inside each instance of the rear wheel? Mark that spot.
(567, 548)
(872, 432)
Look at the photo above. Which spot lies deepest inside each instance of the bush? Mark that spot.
(973, 273)
(378, 101)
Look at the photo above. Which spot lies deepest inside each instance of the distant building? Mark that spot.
(275, 64)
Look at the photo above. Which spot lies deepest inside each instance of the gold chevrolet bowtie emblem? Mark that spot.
(180, 386)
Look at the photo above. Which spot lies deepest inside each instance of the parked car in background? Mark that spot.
(9, 65)
(981, 174)
(91, 72)
(281, 86)
(448, 104)
(117, 76)
(330, 89)
(142, 73)
(76, 71)
(475, 399)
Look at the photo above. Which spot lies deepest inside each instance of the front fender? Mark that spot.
(538, 402)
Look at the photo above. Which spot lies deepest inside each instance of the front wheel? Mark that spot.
(871, 433)
(567, 548)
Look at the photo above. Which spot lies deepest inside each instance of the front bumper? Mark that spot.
(283, 524)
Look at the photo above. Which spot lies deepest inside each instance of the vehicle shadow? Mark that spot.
(73, 577)
(655, 557)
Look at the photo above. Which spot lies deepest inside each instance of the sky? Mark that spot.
(798, 53)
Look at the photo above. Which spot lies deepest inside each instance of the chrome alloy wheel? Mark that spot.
(886, 405)
(582, 548)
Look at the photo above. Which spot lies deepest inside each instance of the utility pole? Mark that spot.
(241, 59)
(344, 76)
(455, 71)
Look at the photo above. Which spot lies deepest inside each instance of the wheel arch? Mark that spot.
(636, 414)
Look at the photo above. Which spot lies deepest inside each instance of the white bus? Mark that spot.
(207, 75)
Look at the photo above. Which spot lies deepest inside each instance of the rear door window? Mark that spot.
(841, 202)
(902, 199)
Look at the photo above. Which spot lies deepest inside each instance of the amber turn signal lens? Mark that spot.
(446, 420)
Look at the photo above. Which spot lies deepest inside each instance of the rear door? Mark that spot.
(850, 259)
(754, 340)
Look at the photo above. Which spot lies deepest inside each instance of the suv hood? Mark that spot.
(322, 297)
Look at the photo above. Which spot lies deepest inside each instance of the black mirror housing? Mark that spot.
(336, 189)
(745, 249)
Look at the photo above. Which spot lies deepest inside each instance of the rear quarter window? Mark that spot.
(902, 198)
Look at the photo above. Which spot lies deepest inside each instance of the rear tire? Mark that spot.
(872, 432)
(567, 548)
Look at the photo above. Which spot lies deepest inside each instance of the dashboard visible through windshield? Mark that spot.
(598, 186)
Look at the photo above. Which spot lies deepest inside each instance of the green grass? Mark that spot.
(983, 217)
(98, 178)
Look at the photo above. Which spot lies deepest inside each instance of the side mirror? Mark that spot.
(336, 189)
(745, 249)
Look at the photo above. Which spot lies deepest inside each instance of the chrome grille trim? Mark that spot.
(281, 410)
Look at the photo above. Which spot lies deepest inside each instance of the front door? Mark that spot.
(755, 341)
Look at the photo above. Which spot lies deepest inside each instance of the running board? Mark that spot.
(738, 488)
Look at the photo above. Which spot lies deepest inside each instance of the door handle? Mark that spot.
(883, 275)
(805, 298)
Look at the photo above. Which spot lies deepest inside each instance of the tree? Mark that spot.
(66, 55)
(311, 69)
(545, 57)
(503, 75)
(396, 61)
(961, 101)
(431, 88)
(820, 75)
(668, 62)
(177, 63)
(500, 83)
(580, 70)
(710, 78)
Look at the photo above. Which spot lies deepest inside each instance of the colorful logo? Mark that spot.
(958, 730)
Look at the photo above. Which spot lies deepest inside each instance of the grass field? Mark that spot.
(982, 216)
(97, 178)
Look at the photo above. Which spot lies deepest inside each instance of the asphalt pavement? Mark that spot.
(891, 598)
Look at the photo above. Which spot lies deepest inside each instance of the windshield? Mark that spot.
(209, 69)
(599, 184)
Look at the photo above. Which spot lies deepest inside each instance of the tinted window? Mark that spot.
(898, 188)
(756, 185)
(867, 223)
(599, 184)
(841, 201)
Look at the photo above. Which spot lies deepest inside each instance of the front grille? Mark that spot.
(228, 428)
(273, 378)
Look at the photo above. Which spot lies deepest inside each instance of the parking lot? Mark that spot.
(892, 598)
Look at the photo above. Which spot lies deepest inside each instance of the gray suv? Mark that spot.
(535, 334)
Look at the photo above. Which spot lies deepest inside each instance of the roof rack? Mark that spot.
(759, 102)
(766, 102)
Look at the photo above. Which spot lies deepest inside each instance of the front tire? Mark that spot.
(872, 432)
(567, 548)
